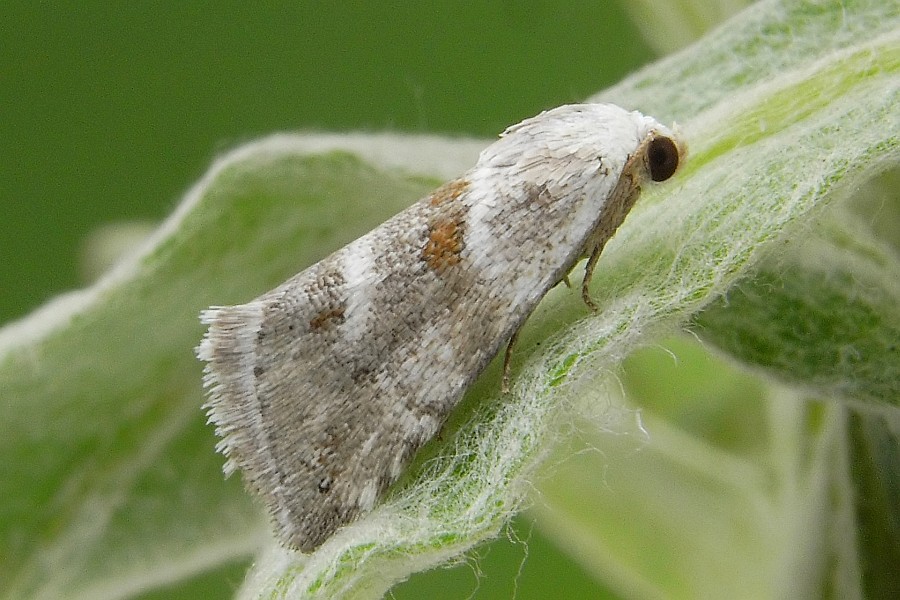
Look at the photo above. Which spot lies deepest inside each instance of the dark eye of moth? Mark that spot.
(662, 157)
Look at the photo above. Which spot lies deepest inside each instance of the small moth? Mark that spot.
(323, 389)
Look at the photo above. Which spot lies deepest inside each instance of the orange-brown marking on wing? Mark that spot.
(448, 192)
(444, 245)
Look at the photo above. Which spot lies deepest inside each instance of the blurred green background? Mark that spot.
(110, 113)
(111, 110)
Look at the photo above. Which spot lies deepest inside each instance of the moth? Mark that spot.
(323, 389)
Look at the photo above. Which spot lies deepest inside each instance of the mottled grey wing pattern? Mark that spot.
(324, 388)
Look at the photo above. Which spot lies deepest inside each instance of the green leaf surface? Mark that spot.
(822, 314)
(109, 479)
(724, 490)
(874, 440)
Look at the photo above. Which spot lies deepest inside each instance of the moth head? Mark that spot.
(663, 157)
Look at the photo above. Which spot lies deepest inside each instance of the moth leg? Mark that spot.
(507, 359)
(588, 274)
(585, 295)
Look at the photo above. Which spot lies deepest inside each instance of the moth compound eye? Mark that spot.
(662, 157)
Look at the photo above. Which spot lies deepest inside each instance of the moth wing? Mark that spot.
(324, 388)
